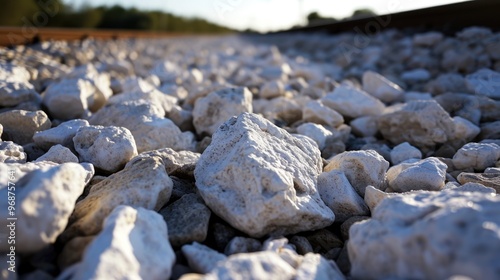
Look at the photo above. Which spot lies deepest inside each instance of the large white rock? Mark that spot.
(69, 98)
(10, 152)
(260, 265)
(427, 174)
(133, 244)
(424, 123)
(352, 102)
(261, 179)
(429, 235)
(362, 168)
(403, 152)
(147, 124)
(107, 148)
(484, 82)
(316, 132)
(15, 93)
(465, 130)
(316, 112)
(44, 201)
(477, 155)
(338, 194)
(272, 89)
(214, 109)
(19, 126)
(58, 154)
(143, 184)
(154, 96)
(364, 126)
(62, 134)
(381, 88)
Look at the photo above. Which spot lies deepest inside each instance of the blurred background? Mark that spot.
(196, 16)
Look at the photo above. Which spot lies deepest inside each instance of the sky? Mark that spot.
(266, 15)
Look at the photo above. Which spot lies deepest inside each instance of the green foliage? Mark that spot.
(363, 13)
(316, 18)
(18, 12)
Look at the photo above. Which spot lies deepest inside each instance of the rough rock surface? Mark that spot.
(180, 163)
(216, 108)
(381, 88)
(425, 124)
(201, 258)
(45, 199)
(429, 235)
(143, 184)
(58, 154)
(19, 126)
(108, 148)
(69, 98)
(316, 112)
(484, 82)
(427, 174)
(276, 193)
(133, 244)
(491, 180)
(316, 132)
(187, 220)
(477, 155)
(403, 152)
(10, 152)
(362, 168)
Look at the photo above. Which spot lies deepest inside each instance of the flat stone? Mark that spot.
(143, 184)
(59, 154)
(352, 102)
(219, 106)
(62, 134)
(425, 124)
(338, 194)
(362, 168)
(10, 152)
(403, 152)
(133, 244)
(491, 180)
(45, 199)
(187, 220)
(108, 148)
(316, 112)
(381, 88)
(427, 174)
(19, 126)
(446, 227)
(276, 193)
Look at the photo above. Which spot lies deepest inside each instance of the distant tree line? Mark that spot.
(315, 18)
(55, 13)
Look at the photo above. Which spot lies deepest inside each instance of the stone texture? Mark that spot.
(69, 98)
(316, 132)
(219, 106)
(465, 130)
(201, 258)
(346, 226)
(261, 179)
(19, 126)
(403, 152)
(427, 174)
(338, 194)
(239, 245)
(18, 92)
(491, 180)
(133, 244)
(425, 124)
(73, 251)
(45, 199)
(315, 112)
(352, 102)
(477, 155)
(362, 168)
(364, 126)
(143, 184)
(108, 148)
(429, 235)
(187, 220)
(62, 134)
(10, 152)
(272, 89)
(180, 163)
(260, 265)
(381, 88)
(147, 124)
(314, 266)
(59, 154)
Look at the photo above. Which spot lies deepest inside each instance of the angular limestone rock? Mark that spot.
(62, 134)
(352, 102)
(10, 152)
(19, 126)
(427, 174)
